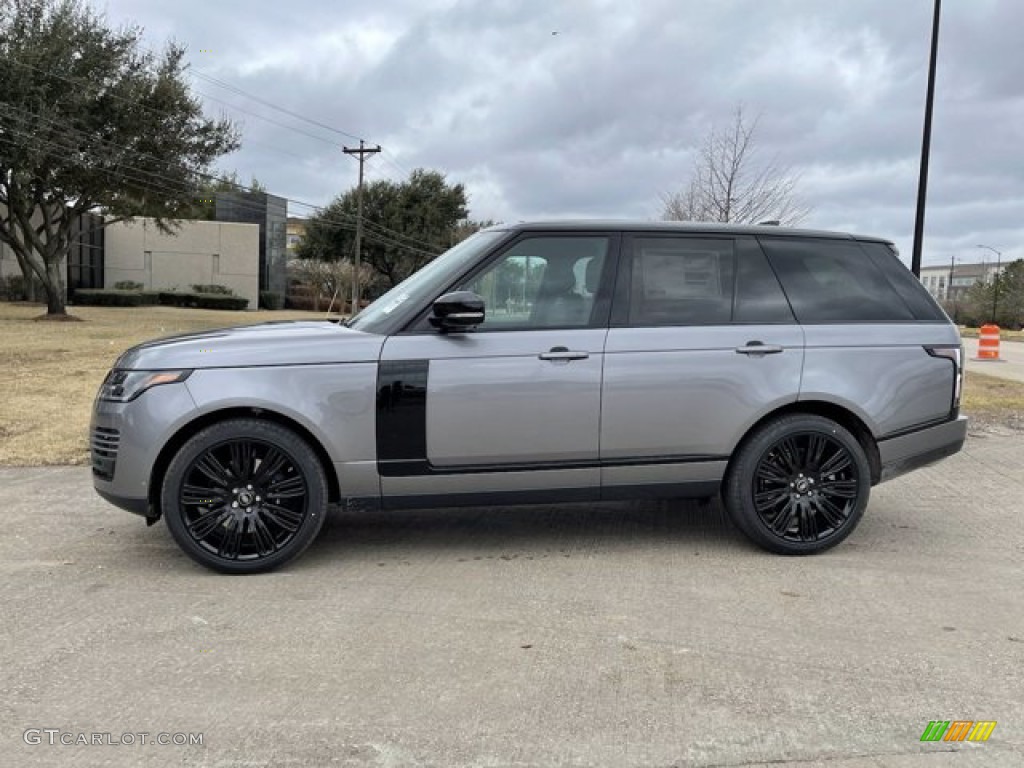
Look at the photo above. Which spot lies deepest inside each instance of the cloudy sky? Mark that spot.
(603, 117)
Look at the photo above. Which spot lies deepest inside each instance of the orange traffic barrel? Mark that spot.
(988, 342)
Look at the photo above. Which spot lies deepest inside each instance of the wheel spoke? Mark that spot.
(241, 458)
(832, 514)
(840, 489)
(815, 451)
(784, 519)
(790, 454)
(210, 466)
(766, 500)
(770, 472)
(286, 518)
(269, 465)
(198, 495)
(231, 544)
(289, 488)
(206, 524)
(264, 538)
(837, 462)
(808, 525)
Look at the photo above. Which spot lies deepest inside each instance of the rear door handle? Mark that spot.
(758, 348)
(563, 353)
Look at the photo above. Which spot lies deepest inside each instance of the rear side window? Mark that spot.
(904, 283)
(759, 297)
(681, 281)
(833, 281)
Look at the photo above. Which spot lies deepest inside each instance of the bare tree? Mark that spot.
(728, 184)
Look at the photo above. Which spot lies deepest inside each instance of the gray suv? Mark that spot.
(787, 371)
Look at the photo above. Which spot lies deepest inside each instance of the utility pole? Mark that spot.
(926, 143)
(362, 152)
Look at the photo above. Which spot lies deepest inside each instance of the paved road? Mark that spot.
(1010, 365)
(643, 634)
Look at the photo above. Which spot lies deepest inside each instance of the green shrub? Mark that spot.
(12, 288)
(220, 301)
(97, 297)
(149, 298)
(202, 300)
(271, 300)
(128, 285)
(218, 289)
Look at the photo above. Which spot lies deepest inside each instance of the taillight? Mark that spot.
(956, 355)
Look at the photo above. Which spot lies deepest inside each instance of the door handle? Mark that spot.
(563, 353)
(758, 348)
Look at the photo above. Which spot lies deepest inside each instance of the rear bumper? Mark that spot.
(914, 450)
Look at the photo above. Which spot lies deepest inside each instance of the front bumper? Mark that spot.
(126, 440)
(914, 450)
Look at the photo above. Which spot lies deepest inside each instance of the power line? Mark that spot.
(385, 232)
(235, 89)
(154, 181)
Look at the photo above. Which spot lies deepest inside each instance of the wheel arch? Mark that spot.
(837, 413)
(185, 432)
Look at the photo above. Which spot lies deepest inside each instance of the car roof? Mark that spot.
(690, 227)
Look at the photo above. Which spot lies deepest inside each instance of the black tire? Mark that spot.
(244, 496)
(798, 485)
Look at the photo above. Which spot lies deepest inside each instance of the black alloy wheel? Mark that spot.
(799, 485)
(244, 496)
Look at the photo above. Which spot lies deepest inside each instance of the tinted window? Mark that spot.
(904, 283)
(833, 281)
(759, 297)
(681, 281)
(541, 282)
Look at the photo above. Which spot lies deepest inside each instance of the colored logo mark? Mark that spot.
(958, 730)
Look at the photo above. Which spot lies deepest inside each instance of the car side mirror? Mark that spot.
(458, 311)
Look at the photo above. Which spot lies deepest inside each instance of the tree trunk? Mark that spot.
(54, 287)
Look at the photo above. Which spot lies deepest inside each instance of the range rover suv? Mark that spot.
(786, 371)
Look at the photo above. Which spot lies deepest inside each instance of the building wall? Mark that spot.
(936, 279)
(207, 252)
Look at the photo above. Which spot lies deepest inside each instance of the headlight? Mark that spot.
(122, 386)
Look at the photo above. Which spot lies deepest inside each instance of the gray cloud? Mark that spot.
(601, 117)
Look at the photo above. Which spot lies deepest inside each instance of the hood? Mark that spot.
(274, 343)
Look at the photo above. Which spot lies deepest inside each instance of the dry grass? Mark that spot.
(49, 372)
(988, 399)
(1004, 334)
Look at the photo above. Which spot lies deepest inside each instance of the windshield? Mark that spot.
(425, 284)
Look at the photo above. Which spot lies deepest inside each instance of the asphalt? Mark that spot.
(1010, 364)
(637, 634)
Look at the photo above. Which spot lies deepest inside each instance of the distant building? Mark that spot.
(937, 279)
(270, 212)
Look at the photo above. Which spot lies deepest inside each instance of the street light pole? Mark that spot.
(926, 143)
(995, 279)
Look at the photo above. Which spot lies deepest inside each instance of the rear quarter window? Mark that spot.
(833, 281)
(917, 298)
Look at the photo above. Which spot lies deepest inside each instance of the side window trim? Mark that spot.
(420, 324)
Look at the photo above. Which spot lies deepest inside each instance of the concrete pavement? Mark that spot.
(1010, 365)
(642, 634)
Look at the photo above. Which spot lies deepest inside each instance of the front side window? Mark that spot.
(542, 282)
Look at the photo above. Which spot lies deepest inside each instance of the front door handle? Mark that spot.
(564, 353)
(758, 348)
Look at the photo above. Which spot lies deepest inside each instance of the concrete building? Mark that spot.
(203, 252)
(948, 283)
(199, 252)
